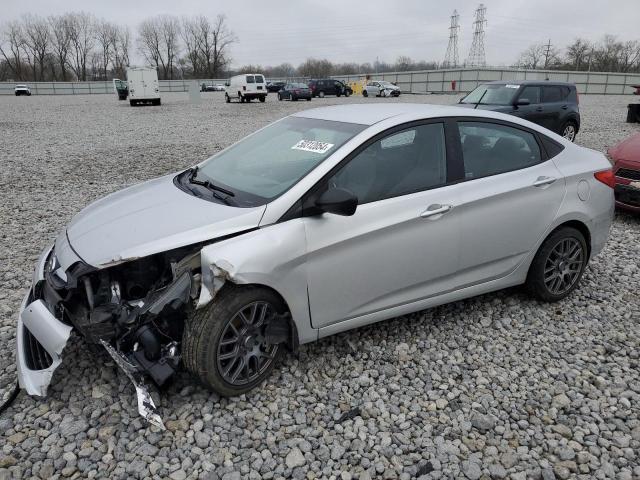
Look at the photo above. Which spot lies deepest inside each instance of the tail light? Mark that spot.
(577, 97)
(607, 177)
(244, 87)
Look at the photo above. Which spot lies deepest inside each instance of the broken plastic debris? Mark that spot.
(146, 407)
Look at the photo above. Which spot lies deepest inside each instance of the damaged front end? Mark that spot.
(135, 309)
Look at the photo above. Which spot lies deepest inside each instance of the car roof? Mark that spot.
(369, 114)
(529, 82)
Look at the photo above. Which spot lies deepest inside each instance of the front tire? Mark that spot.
(224, 343)
(569, 130)
(365, 93)
(558, 266)
(227, 98)
(279, 97)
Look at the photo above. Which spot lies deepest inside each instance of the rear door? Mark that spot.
(534, 112)
(511, 196)
(553, 99)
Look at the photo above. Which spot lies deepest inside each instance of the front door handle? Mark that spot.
(435, 209)
(542, 181)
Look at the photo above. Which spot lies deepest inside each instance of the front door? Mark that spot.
(402, 243)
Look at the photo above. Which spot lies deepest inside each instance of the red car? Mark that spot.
(626, 167)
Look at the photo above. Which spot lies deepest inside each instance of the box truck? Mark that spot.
(143, 86)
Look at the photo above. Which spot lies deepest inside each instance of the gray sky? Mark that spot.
(272, 32)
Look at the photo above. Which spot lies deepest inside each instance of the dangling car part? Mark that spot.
(324, 221)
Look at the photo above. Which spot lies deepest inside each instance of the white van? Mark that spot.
(143, 86)
(246, 87)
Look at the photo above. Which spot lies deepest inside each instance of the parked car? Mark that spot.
(321, 222)
(295, 92)
(22, 90)
(211, 88)
(246, 87)
(380, 89)
(626, 167)
(553, 105)
(329, 86)
(275, 87)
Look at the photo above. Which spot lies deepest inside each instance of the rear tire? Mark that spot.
(569, 130)
(365, 93)
(225, 338)
(347, 93)
(558, 266)
(133, 103)
(227, 98)
(263, 99)
(279, 97)
(308, 99)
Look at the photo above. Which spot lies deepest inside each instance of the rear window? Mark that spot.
(259, 79)
(251, 79)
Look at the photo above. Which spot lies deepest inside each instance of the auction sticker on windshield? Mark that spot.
(313, 146)
(512, 86)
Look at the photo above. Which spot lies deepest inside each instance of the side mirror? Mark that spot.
(521, 102)
(338, 201)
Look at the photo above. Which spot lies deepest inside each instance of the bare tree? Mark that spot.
(532, 57)
(315, 68)
(149, 41)
(11, 44)
(403, 64)
(106, 36)
(214, 40)
(36, 42)
(170, 30)
(61, 41)
(191, 39)
(577, 53)
(82, 42)
(122, 43)
(629, 57)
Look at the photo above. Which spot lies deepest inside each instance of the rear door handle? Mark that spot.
(564, 107)
(435, 209)
(542, 181)
(539, 109)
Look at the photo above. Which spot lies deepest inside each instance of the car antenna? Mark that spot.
(480, 99)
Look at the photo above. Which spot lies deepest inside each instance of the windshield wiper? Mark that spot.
(209, 185)
(479, 100)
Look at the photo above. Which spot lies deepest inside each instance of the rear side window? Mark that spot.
(251, 79)
(552, 148)
(552, 93)
(531, 93)
(491, 149)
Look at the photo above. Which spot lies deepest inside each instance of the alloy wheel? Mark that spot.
(563, 266)
(569, 132)
(243, 353)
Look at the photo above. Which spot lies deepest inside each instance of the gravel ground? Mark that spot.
(498, 386)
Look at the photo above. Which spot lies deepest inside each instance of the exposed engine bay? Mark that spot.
(136, 310)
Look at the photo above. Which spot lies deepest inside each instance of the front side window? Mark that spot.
(269, 162)
(490, 149)
(400, 163)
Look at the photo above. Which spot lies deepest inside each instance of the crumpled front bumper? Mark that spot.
(40, 338)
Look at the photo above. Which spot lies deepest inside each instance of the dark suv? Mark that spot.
(553, 105)
(328, 86)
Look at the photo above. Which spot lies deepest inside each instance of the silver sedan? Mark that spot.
(324, 221)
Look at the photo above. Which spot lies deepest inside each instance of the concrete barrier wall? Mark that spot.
(426, 81)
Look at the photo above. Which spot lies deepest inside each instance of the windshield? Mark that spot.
(387, 84)
(492, 95)
(269, 162)
(299, 85)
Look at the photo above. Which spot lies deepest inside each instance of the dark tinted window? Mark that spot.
(552, 148)
(489, 149)
(531, 93)
(403, 162)
(552, 93)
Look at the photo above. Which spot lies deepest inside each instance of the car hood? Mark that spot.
(152, 217)
(628, 150)
(492, 108)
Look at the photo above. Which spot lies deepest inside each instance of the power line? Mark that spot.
(546, 53)
(451, 57)
(476, 54)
